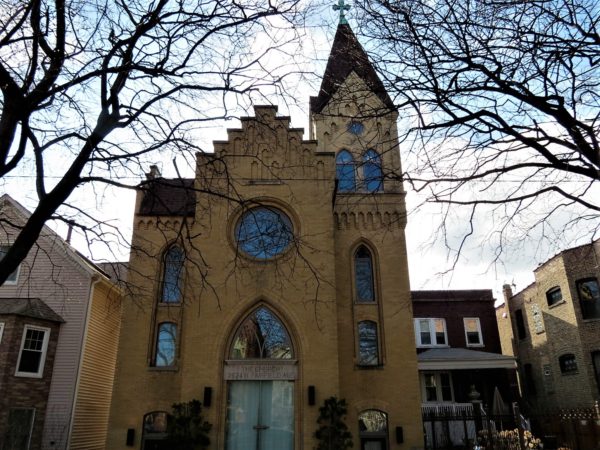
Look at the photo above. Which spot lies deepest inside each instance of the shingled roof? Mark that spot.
(168, 197)
(347, 55)
(29, 307)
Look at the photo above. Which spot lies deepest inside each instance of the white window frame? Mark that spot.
(480, 344)
(1, 331)
(438, 385)
(13, 278)
(40, 372)
(431, 321)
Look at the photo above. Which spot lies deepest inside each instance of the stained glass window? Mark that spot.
(263, 232)
(345, 172)
(368, 348)
(363, 272)
(173, 275)
(261, 335)
(372, 172)
(166, 343)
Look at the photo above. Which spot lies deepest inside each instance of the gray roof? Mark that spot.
(29, 307)
(463, 358)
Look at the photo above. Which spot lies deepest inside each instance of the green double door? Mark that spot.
(260, 415)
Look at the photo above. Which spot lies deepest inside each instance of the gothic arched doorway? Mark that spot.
(260, 373)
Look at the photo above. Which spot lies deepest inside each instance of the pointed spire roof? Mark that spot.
(347, 55)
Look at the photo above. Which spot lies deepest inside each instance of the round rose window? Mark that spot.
(264, 232)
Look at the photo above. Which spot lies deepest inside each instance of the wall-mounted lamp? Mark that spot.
(311, 395)
(130, 440)
(207, 396)
(399, 435)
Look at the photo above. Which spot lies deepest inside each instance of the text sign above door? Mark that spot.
(261, 371)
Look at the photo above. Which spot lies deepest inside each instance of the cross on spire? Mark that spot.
(342, 7)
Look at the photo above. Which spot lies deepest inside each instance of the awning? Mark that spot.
(462, 358)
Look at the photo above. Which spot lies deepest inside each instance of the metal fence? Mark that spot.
(468, 426)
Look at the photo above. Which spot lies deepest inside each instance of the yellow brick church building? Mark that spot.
(275, 279)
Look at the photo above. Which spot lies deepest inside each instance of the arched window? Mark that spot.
(172, 275)
(261, 336)
(344, 172)
(155, 429)
(368, 345)
(363, 276)
(166, 344)
(373, 429)
(372, 172)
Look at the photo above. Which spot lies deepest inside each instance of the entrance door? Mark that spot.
(260, 415)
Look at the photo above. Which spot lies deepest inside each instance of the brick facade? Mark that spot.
(551, 329)
(311, 287)
(21, 391)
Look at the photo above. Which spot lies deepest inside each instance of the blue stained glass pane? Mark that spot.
(165, 344)
(264, 233)
(173, 272)
(344, 172)
(261, 335)
(363, 269)
(367, 344)
(372, 173)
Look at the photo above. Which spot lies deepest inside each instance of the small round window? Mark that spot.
(263, 232)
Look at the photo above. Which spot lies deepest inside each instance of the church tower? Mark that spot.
(354, 117)
(276, 279)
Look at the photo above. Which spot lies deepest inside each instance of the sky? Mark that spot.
(431, 264)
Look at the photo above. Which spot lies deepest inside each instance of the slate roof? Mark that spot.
(454, 295)
(168, 197)
(29, 307)
(347, 55)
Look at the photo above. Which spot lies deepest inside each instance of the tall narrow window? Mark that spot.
(173, 275)
(33, 352)
(368, 345)
(345, 172)
(166, 343)
(589, 298)
(13, 277)
(520, 321)
(363, 276)
(473, 331)
(372, 172)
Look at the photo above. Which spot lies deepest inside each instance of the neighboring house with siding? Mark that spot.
(60, 316)
(553, 328)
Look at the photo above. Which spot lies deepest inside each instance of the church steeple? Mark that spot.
(347, 55)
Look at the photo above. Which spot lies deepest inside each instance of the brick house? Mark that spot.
(458, 346)
(59, 327)
(553, 328)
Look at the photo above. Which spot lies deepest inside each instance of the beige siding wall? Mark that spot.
(94, 390)
(49, 274)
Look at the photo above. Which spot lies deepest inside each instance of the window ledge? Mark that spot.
(562, 302)
(433, 346)
(29, 375)
(567, 374)
(591, 319)
(476, 345)
(369, 367)
(163, 369)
